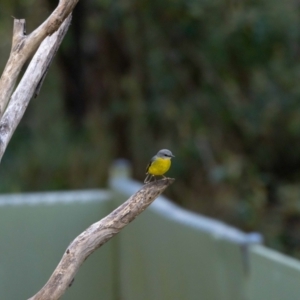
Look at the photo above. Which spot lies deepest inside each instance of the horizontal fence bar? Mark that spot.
(172, 253)
(126, 187)
(50, 198)
(35, 230)
(166, 253)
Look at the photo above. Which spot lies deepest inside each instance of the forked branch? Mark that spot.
(28, 85)
(12, 107)
(23, 46)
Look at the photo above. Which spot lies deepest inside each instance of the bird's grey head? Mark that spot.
(165, 153)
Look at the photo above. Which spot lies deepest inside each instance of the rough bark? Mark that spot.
(13, 107)
(97, 235)
(47, 39)
(30, 83)
(23, 46)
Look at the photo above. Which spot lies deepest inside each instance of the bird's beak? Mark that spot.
(173, 155)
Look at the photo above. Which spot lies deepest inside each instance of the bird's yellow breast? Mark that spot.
(159, 166)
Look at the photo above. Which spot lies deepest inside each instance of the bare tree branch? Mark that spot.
(47, 38)
(23, 46)
(28, 85)
(97, 235)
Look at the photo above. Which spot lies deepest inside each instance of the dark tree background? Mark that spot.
(217, 82)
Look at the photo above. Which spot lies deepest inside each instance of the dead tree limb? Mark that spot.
(23, 46)
(29, 83)
(97, 235)
(47, 38)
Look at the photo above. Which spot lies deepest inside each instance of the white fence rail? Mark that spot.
(166, 253)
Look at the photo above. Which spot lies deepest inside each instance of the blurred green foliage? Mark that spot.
(217, 82)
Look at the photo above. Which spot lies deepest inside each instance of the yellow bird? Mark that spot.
(159, 164)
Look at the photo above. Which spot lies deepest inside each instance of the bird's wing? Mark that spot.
(150, 163)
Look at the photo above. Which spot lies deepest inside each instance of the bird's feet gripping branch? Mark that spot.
(158, 165)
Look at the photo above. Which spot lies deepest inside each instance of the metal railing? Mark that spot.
(166, 253)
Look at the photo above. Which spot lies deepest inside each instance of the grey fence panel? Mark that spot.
(273, 275)
(170, 253)
(35, 230)
(166, 253)
(160, 260)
